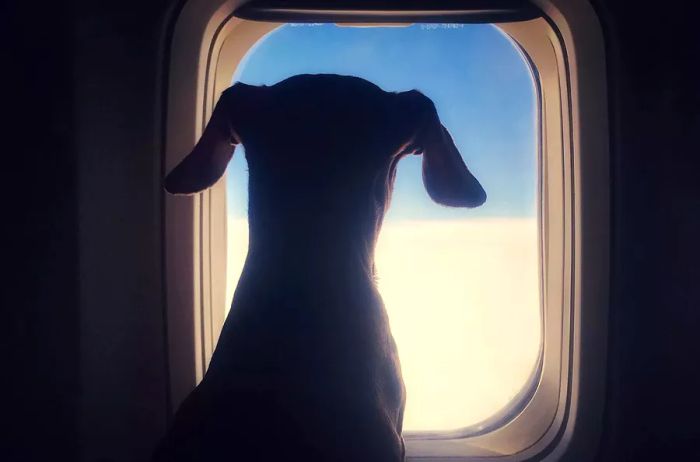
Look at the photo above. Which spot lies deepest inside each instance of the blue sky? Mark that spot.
(481, 86)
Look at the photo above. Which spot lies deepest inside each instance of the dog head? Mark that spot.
(329, 136)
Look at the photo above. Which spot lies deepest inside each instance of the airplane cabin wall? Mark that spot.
(39, 332)
(123, 402)
(652, 404)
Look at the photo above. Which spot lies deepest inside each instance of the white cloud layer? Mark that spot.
(464, 304)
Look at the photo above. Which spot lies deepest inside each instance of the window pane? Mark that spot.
(461, 286)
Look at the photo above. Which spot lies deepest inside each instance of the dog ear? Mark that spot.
(445, 175)
(207, 161)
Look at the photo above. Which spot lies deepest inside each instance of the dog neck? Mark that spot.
(324, 245)
(314, 222)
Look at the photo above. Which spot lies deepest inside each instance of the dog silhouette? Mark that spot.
(306, 367)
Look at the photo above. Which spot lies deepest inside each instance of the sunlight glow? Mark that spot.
(463, 300)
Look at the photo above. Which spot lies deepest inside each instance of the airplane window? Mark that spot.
(461, 286)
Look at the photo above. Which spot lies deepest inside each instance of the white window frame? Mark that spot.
(566, 52)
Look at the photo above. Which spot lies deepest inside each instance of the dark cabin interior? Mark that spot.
(85, 376)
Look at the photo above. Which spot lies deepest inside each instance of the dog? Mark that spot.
(306, 367)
